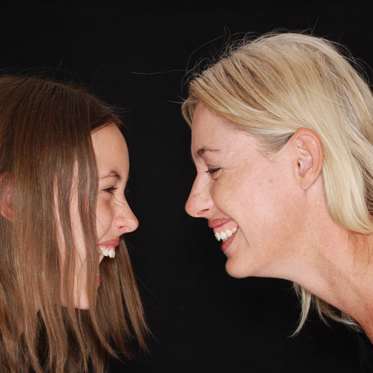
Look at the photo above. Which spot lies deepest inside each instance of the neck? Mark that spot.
(338, 269)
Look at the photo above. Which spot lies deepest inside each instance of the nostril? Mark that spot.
(191, 208)
(128, 226)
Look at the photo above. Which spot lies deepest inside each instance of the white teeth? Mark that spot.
(224, 235)
(107, 251)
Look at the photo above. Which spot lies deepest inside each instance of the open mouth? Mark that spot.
(226, 236)
(227, 242)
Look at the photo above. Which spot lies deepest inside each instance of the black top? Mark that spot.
(365, 348)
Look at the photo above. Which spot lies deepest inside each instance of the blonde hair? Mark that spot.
(45, 132)
(278, 83)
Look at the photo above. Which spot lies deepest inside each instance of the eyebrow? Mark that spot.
(201, 151)
(111, 173)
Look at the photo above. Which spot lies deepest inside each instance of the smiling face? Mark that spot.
(251, 201)
(114, 217)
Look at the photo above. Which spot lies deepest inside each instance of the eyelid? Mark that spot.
(110, 189)
(212, 170)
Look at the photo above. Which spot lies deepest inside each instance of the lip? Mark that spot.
(111, 243)
(216, 223)
(226, 244)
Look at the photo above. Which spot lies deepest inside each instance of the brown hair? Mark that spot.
(45, 129)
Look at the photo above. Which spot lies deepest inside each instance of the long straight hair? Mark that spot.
(45, 140)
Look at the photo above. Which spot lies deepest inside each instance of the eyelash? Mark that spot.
(110, 190)
(213, 170)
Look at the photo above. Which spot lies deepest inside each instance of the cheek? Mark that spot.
(233, 193)
(104, 216)
(257, 201)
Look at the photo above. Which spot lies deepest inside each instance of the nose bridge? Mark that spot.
(199, 202)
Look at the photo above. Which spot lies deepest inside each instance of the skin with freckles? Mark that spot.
(114, 216)
(277, 202)
(254, 191)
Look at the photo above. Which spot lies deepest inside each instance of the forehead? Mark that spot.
(208, 124)
(211, 131)
(110, 149)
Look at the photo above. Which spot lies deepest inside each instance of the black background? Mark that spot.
(138, 59)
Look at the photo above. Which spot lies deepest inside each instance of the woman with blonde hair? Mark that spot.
(68, 296)
(282, 140)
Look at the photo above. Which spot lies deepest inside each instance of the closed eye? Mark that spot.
(110, 190)
(213, 170)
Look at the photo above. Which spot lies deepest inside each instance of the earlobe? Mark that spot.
(309, 157)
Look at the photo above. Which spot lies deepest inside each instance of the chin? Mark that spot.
(236, 269)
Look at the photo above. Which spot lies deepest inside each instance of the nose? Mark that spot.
(199, 203)
(125, 220)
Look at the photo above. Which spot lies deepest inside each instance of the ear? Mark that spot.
(308, 156)
(6, 196)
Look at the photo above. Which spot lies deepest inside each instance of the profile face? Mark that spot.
(250, 200)
(114, 217)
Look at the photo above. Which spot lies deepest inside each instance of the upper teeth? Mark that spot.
(223, 235)
(107, 251)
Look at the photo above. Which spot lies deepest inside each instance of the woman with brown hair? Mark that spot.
(68, 296)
